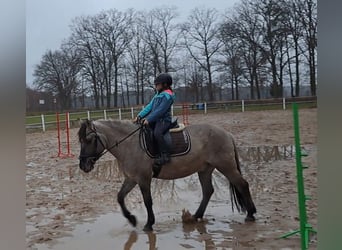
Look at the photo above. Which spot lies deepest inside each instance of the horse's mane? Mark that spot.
(82, 133)
(118, 124)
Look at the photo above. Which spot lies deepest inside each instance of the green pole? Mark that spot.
(305, 228)
(300, 178)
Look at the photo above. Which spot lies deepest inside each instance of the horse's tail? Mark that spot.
(235, 196)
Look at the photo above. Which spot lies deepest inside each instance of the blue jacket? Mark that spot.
(159, 108)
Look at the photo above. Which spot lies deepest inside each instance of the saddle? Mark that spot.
(179, 136)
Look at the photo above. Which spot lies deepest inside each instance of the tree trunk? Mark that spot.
(289, 67)
(297, 69)
(210, 86)
(102, 95)
(312, 71)
(257, 84)
(116, 83)
(275, 86)
(137, 86)
(96, 93)
(236, 88)
(232, 87)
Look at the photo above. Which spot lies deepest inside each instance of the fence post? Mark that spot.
(171, 110)
(67, 123)
(132, 112)
(284, 103)
(119, 113)
(88, 114)
(105, 114)
(68, 119)
(43, 122)
(58, 135)
(243, 105)
(205, 108)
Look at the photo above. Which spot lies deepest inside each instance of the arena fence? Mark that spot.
(43, 122)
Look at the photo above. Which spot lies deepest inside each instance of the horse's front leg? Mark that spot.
(126, 187)
(145, 188)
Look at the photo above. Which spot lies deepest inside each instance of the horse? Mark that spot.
(211, 148)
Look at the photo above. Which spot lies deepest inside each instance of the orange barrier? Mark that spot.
(185, 113)
(67, 133)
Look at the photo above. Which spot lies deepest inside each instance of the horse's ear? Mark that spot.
(90, 124)
(81, 121)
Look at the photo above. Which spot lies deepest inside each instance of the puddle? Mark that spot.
(111, 231)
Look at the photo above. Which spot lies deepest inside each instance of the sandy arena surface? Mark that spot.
(68, 209)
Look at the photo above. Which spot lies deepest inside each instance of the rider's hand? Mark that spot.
(145, 122)
(136, 119)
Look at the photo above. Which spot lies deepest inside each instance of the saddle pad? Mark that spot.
(181, 144)
(180, 127)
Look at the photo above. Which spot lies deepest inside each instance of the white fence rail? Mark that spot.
(46, 121)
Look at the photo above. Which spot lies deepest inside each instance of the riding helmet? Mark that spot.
(163, 78)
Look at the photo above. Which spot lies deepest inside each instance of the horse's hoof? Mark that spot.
(132, 220)
(194, 218)
(249, 218)
(148, 228)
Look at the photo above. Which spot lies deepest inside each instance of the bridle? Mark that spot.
(98, 138)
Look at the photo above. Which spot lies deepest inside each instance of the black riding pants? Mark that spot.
(160, 128)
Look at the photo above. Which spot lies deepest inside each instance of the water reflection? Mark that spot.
(266, 153)
(190, 236)
(133, 238)
(200, 230)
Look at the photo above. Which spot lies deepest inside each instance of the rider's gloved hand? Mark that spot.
(145, 122)
(137, 119)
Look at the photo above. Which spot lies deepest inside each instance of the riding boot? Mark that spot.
(163, 158)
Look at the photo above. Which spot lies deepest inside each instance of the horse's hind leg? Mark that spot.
(207, 191)
(126, 187)
(241, 187)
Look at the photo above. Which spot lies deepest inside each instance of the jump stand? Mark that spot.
(185, 114)
(67, 129)
(305, 228)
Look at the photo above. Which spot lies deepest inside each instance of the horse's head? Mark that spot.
(91, 146)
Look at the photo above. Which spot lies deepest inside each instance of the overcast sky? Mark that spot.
(47, 21)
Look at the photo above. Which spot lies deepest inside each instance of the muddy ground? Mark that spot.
(67, 209)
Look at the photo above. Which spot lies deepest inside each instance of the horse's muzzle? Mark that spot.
(87, 164)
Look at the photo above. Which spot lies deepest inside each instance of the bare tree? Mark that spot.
(137, 57)
(308, 10)
(293, 41)
(200, 35)
(273, 15)
(117, 36)
(161, 34)
(57, 73)
(86, 47)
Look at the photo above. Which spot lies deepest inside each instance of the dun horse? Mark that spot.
(212, 148)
